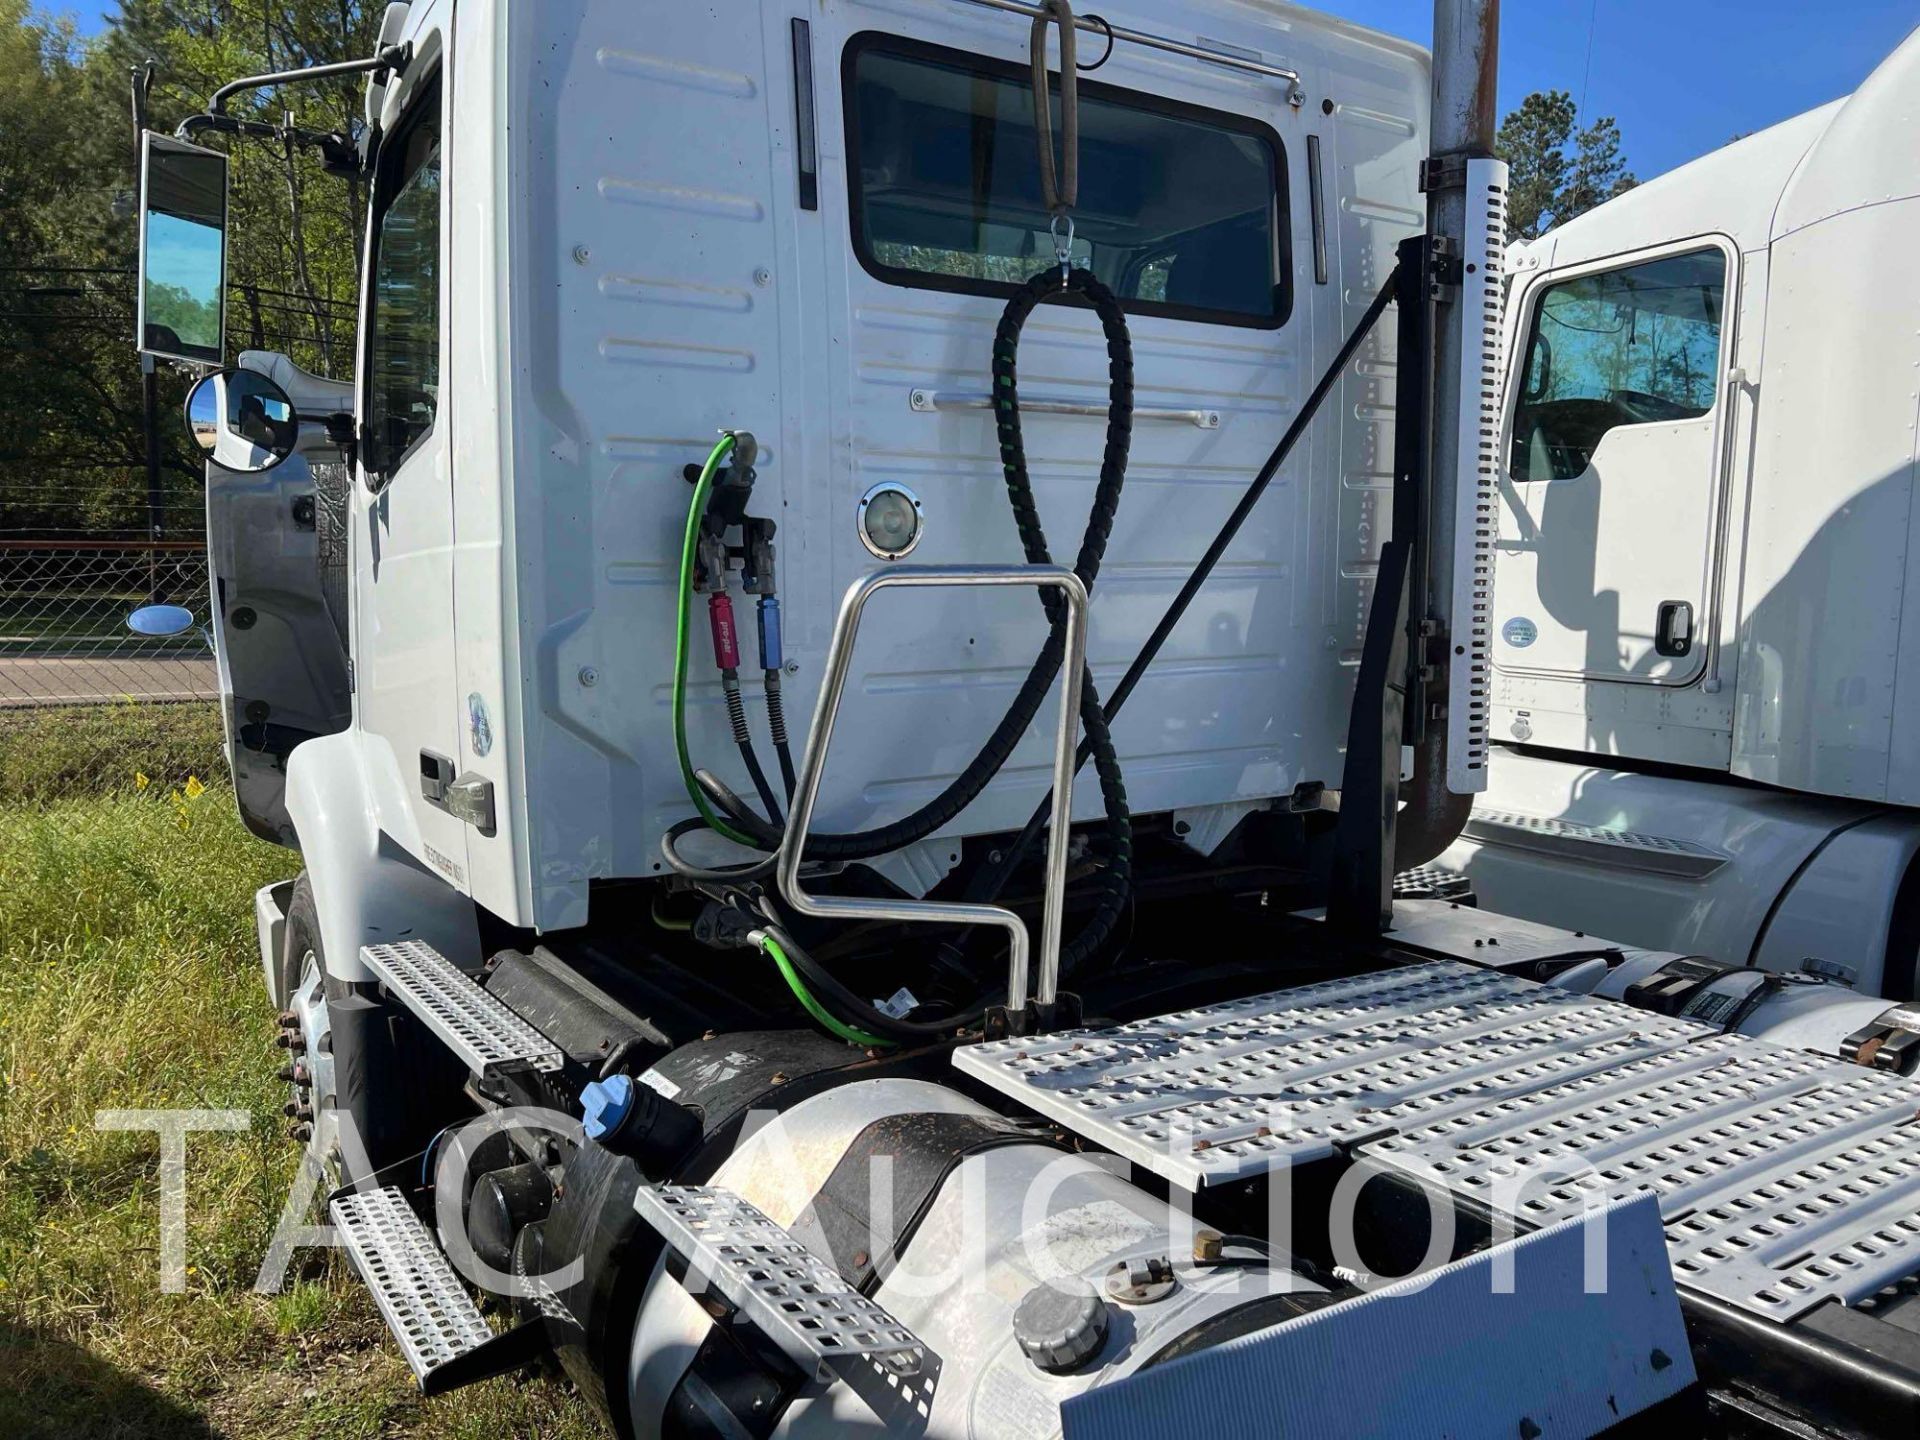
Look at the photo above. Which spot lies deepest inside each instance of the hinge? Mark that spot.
(1444, 269)
(1443, 172)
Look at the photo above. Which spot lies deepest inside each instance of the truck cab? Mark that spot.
(1703, 577)
(876, 1088)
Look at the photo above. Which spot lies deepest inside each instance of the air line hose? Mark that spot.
(945, 807)
(689, 551)
(813, 1007)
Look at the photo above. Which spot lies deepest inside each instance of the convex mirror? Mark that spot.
(242, 420)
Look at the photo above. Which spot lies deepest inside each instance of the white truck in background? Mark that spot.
(1706, 649)
(671, 311)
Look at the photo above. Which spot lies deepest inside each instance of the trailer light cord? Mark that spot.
(802, 971)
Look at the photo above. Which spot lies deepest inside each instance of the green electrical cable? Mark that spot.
(814, 1008)
(689, 552)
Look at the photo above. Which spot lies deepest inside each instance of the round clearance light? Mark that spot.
(889, 518)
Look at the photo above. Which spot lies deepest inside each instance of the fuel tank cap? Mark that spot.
(1061, 1325)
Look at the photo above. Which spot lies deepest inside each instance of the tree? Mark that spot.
(1598, 172)
(72, 448)
(1556, 172)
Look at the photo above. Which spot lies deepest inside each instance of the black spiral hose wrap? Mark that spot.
(1116, 878)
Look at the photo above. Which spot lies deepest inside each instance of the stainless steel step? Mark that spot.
(792, 1296)
(433, 1319)
(478, 1027)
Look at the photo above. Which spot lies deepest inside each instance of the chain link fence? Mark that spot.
(88, 707)
(102, 512)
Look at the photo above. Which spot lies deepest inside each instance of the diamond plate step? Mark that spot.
(432, 1317)
(1786, 1178)
(792, 1296)
(1214, 1095)
(477, 1026)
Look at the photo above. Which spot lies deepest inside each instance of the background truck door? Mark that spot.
(1611, 488)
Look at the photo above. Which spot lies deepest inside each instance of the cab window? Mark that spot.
(403, 350)
(1633, 346)
(1182, 211)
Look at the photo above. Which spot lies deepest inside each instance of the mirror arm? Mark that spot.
(338, 153)
(391, 58)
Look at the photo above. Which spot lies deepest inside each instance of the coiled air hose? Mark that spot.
(1116, 878)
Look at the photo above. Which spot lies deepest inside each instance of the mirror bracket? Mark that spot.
(343, 431)
(339, 154)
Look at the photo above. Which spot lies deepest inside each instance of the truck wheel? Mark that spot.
(311, 1114)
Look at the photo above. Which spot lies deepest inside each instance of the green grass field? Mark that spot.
(57, 754)
(130, 978)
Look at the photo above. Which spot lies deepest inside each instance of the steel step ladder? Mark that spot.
(476, 1025)
(445, 1339)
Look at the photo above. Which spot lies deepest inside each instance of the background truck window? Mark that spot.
(1633, 346)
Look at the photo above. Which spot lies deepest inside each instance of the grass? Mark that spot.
(129, 978)
(51, 755)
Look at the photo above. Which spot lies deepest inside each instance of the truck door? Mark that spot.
(1611, 488)
(403, 555)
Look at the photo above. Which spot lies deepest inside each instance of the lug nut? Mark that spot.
(294, 1110)
(300, 1132)
(290, 1019)
(291, 1042)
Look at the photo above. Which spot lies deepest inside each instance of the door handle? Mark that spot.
(1673, 630)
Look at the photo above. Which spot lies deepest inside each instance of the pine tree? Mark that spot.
(1598, 172)
(1557, 173)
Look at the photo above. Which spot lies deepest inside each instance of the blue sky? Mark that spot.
(1681, 76)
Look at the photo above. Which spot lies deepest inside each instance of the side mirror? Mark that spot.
(242, 420)
(183, 250)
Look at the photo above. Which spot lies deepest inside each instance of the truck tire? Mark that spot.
(302, 936)
(303, 977)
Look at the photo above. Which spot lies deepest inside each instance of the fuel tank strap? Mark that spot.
(920, 1152)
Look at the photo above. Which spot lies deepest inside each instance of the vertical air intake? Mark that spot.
(1477, 442)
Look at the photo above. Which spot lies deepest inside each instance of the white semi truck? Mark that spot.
(1705, 644)
(866, 1087)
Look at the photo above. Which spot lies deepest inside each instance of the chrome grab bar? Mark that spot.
(1235, 60)
(813, 764)
(928, 402)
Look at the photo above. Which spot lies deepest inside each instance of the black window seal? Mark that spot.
(1279, 200)
(393, 147)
